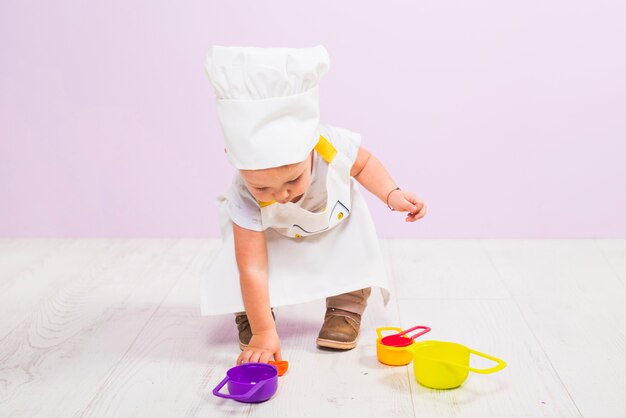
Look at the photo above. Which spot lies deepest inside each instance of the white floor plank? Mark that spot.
(168, 369)
(456, 269)
(19, 257)
(614, 251)
(53, 362)
(38, 272)
(112, 328)
(573, 301)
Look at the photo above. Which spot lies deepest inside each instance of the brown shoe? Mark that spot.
(340, 329)
(245, 332)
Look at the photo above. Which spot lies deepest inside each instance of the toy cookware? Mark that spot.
(282, 366)
(446, 365)
(392, 349)
(249, 382)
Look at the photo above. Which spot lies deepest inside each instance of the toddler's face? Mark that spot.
(282, 184)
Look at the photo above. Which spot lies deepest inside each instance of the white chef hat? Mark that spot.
(267, 102)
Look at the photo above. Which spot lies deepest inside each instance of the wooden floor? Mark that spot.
(111, 327)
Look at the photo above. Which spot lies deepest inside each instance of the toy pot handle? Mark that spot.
(501, 364)
(243, 397)
(379, 331)
(424, 329)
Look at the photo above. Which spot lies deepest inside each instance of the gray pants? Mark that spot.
(352, 301)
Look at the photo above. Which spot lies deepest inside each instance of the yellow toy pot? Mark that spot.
(445, 365)
(392, 349)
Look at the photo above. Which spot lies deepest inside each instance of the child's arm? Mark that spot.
(369, 171)
(251, 255)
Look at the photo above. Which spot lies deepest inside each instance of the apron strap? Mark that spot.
(326, 150)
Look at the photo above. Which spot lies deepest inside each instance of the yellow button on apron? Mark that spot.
(340, 215)
(298, 236)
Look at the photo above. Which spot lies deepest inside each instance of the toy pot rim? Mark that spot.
(258, 380)
(500, 364)
(401, 339)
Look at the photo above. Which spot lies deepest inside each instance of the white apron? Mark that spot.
(310, 255)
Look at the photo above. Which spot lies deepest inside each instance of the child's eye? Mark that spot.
(294, 180)
(261, 188)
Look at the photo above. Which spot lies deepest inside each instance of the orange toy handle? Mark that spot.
(379, 331)
(281, 366)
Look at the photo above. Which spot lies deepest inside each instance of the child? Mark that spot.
(294, 225)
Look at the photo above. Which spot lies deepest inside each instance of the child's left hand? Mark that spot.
(403, 201)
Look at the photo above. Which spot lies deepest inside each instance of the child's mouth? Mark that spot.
(292, 200)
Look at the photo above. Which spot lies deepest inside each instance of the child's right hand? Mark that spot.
(262, 347)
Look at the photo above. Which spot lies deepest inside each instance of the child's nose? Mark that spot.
(282, 195)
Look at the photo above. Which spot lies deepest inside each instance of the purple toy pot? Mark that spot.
(249, 382)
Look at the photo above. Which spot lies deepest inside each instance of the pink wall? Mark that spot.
(508, 118)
